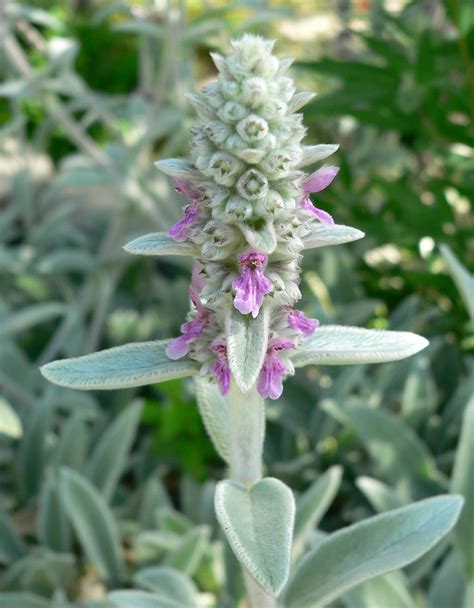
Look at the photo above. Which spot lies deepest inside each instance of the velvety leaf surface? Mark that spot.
(258, 523)
(339, 345)
(133, 364)
(214, 409)
(323, 235)
(159, 243)
(168, 584)
(370, 548)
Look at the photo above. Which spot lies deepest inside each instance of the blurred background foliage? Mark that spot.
(113, 490)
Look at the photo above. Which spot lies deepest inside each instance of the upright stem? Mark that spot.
(247, 432)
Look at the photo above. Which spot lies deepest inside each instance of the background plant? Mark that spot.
(69, 202)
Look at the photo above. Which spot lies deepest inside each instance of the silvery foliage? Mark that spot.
(247, 224)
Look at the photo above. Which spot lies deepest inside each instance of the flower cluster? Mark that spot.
(249, 210)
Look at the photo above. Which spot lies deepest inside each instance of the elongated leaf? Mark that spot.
(12, 546)
(247, 340)
(336, 234)
(258, 522)
(133, 364)
(188, 554)
(110, 455)
(313, 154)
(154, 497)
(31, 316)
(463, 483)
(93, 523)
(22, 600)
(339, 345)
(448, 584)
(214, 409)
(313, 504)
(370, 548)
(389, 590)
(463, 279)
(159, 243)
(167, 583)
(177, 168)
(381, 497)
(54, 529)
(72, 447)
(10, 424)
(395, 449)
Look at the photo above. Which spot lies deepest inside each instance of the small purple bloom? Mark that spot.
(197, 281)
(190, 330)
(220, 370)
(251, 285)
(317, 181)
(299, 321)
(320, 179)
(270, 379)
(179, 231)
(185, 189)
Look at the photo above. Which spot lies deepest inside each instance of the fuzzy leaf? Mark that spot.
(110, 455)
(299, 100)
(263, 240)
(387, 591)
(168, 584)
(134, 364)
(214, 409)
(381, 497)
(463, 483)
(258, 523)
(141, 599)
(11, 599)
(339, 345)
(370, 548)
(159, 243)
(335, 234)
(313, 154)
(174, 167)
(93, 523)
(247, 340)
(53, 527)
(188, 555)
(10, 424)
(313, 504)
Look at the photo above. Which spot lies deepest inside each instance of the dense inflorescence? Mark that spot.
(249, 211)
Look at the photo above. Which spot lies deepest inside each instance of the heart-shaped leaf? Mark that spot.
(133, 364)
(247, 340)
(159, 243)
(258, 523)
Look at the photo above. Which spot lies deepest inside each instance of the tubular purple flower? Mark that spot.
(220, 370)
(179, 347)
(320, 179)
(323, 216)
(299, 321)
(185, 189)
(270, 379)
(179, 231)
(251, 285)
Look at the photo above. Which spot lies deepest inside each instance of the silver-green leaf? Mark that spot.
(134, 364)
(339, 345)
(336, 234)
(168, 584)
(263, 240)
(258, 522)
(159, 243)
(370, 548)
(247, 340)
(313, 154)
(214, 409)
(461, 276)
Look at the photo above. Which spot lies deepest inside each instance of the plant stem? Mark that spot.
(247, 427)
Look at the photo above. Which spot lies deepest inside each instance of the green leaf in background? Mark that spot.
(336, 234)
(369, 549)
(463, 279)
(54, 529)
(189, 552)
(159, 243)
(133, 364)
(213, 407)
(383, 591)
(22, 600)
(93, 523)
(339, 345)
(258, 523)
(247, 340)
(154, 497)
(463, 483)
(142, 599)
(395, 450)
(12, 546)
(10, 423)
(31, 316)
(381, 496)
(168, 584)
(448, 584)
(110, 455)
(312, 505)
(72, 447)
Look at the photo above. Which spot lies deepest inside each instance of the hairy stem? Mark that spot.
(247, 427)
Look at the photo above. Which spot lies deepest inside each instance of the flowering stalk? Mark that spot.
(247, 220)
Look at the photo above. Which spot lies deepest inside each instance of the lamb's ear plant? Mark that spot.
(248, 219)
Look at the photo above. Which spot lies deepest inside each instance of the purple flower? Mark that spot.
(197, 281)
(190, 330)
(270, 379)
(179, 231)
(299, 321)
(251, 285)
(317, 181)
(220, 370)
